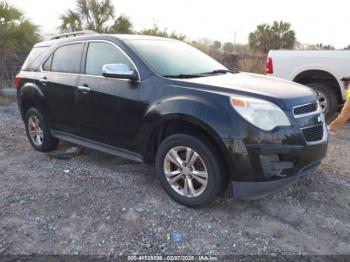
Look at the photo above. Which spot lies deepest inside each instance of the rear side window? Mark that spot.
(47, 64)
(100, 54)
(32, 57)
(66, 58)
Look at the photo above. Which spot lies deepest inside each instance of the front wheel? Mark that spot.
(190, 169)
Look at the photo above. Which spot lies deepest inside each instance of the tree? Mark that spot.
(201, 46)
(71, 22)
(17, 32)
(216, 45)
(279, 35)
(122, 25)
(347, 48)
(17, 36)
(228, 47)
(96, 15)
(241, 49)
(156, 31)
(321, 46)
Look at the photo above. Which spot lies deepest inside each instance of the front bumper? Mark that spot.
(257, 190)
(263, 162)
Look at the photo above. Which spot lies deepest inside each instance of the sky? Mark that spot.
(314, 21)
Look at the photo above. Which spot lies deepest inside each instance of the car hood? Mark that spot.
(285, 93)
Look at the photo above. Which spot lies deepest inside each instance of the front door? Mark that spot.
(108, 108)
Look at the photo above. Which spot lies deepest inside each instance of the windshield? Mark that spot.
(171, 58)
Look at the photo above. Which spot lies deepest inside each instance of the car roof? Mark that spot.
(123, 37)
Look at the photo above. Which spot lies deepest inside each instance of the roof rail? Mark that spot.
(72, 34)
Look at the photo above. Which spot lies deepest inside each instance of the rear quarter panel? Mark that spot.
(29, 91)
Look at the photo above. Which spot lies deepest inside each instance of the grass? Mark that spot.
(4, 101)
(252, 64)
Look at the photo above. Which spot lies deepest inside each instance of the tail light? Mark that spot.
(269, 66)
(18, 81)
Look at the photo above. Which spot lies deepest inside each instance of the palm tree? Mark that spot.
(283, 36)
(93, 15)
(276, 36)
(261, 38)
(71, 21)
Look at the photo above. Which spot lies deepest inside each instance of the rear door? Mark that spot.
(108, 108)
(59, 81)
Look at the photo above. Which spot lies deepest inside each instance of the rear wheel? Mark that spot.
(326, 97)
(38, 132)
(190, 169)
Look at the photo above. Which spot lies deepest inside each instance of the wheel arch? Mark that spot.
(320, 76)
(30, 95)
(184, 124)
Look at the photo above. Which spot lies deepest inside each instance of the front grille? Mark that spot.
(314, 133)
(305, 109)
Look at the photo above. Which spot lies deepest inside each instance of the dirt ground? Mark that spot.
(97, 204)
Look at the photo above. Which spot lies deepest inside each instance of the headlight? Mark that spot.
(260, 113)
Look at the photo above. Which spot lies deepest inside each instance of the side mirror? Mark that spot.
(119, 71)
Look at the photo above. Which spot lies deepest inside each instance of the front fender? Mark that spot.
(200, 111)
(213, 118)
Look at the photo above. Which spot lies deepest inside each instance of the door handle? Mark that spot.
(84, 89)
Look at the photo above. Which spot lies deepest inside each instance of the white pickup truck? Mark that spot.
(319, 69)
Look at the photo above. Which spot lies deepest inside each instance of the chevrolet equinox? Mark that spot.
(152, 99)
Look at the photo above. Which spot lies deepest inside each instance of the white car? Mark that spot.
(319, 69)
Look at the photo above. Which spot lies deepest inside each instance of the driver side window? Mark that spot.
(100, 54)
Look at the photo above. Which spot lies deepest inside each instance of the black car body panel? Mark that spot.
(122, 116)
(258, 86)
(97, 104)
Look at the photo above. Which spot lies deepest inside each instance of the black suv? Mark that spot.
(160, 100)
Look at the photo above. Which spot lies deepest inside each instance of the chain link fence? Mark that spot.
(10, 64)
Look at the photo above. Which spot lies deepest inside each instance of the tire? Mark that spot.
(38, 133)
(208, 160)
(326, 97)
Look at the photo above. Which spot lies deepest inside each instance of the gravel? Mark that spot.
(90, 203)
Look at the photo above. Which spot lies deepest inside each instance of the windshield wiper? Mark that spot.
(183, 76)
(220, 71)
(214, 72)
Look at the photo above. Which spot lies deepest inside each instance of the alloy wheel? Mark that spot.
(185, 171)
(322, 99)
(35, 131)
